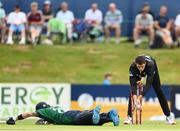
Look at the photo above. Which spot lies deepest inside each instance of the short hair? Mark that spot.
(146, 4)
(64, 3)
(140, 60)
(107, 75)
(17, 7)
(94, 4)
(112, 4)
(163, 6)
(47, 2)
(34, 4)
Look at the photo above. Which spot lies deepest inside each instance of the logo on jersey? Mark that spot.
(148, 58)
(130, 73)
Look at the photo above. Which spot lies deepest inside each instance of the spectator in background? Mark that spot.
(147, 7)
(94, 19)
(143, 26)
(94, 15)
(107, 79)
(47, 13)
(2, 23)
(113, 21)
(16, 20)
(56, 27)
(163, 26)
(35, 22)
(177, 29)
(68, 17)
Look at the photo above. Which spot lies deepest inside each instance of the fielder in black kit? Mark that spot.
(146, 66)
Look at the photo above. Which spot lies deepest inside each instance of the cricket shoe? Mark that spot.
(170, 119)
(22, 42)
(96, 116)
(113, 114)
(10, 42)
(128, 121)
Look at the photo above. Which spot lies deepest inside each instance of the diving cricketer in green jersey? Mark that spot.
(56, 116)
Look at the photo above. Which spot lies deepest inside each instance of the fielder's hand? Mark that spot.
(138, 105)
(137, 102)
(140, 83)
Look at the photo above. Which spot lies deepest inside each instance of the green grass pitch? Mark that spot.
(82, 62)
(28, 125)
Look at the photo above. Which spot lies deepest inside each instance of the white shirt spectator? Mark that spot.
(16, 18)
(67, 16)
(94, 15)
(177, 21)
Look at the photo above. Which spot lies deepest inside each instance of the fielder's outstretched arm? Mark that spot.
(26, 115)
(12, 121)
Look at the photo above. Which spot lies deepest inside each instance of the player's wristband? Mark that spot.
(20, 117)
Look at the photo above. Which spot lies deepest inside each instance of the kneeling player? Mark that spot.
(55, 115)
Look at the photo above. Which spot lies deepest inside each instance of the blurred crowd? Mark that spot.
(22, 28)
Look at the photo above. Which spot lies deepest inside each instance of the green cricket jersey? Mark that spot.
(55, 115)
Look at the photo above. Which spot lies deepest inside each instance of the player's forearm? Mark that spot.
(12, 121)
(134, 97)
(26, 115)
(133, 84)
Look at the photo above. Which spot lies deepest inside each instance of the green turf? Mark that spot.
(81, 63)
(147, 125)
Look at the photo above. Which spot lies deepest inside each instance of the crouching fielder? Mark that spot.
(142, 66)
(55, 115)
